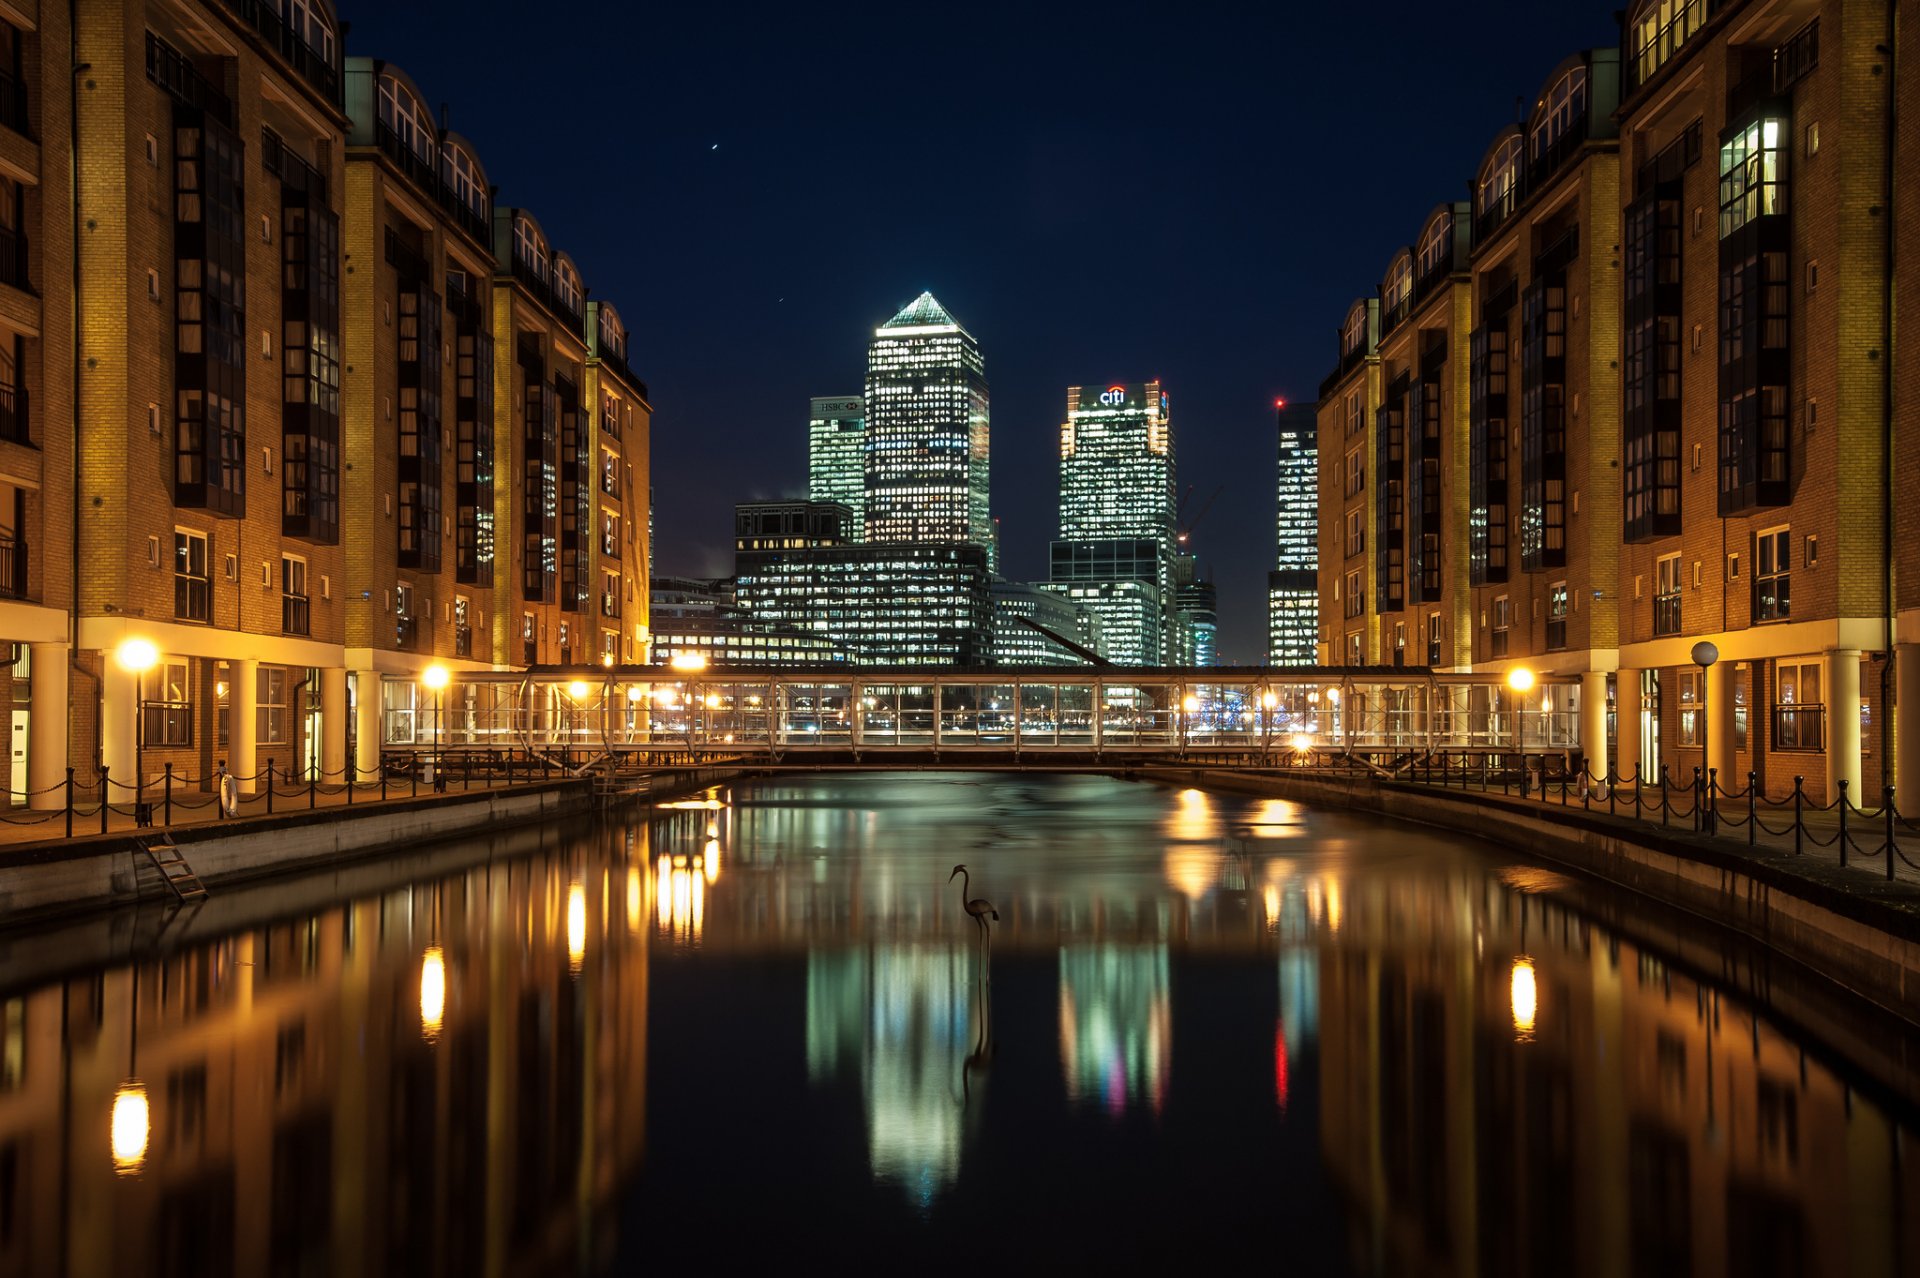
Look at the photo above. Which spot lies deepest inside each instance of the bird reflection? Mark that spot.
(981, 1057)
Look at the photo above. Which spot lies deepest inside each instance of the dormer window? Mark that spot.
(1398, 286)
(613, 336)
(464, 178)
(1564, 106)
(566, 285)
(1500, 181)
(1657, 29)
(407, 118)
(1354, 332)
(530, 246)
(310, 24)
(1436, 245)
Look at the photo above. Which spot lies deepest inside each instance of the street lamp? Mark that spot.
(139, 656)
(1704, 655)
(435, 677)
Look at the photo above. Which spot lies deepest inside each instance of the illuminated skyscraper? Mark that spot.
(1116, 547)
(1293, 592)
(837, 456)
(926, 436)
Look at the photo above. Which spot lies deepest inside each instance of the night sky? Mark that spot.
(1109, 193)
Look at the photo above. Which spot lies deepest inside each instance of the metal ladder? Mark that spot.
(172, 864)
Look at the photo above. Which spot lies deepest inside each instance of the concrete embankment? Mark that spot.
(1851, 928)
(64, 877)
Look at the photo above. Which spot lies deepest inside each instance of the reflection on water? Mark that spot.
(755, 1025)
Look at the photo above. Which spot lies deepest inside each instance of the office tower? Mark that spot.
(1293, 591)
(1016, 643)
(1116, 546)
(926, 402)
(837, 456)
(702, 618)
(1198, 604)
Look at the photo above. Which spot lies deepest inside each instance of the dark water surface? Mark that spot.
(761, 1028)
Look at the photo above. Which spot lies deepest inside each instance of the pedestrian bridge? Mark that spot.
(868, 716)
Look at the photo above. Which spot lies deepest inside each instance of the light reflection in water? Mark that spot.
(576, 926)
(1525, 996)
(130, 1127)
(433, 992)
(1116, 1031)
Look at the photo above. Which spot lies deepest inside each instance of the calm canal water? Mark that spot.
(760, 1027)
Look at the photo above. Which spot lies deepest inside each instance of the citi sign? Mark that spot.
(1113, 396)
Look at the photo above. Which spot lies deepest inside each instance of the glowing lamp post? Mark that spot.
(1704, 654)
(139, 656)
(435, 677)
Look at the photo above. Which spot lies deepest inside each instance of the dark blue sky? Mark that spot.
(1109, 193)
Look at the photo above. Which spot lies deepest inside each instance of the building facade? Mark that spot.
(699, 619)
(278, 296)
(926, 445)
(889, 603)
(1293, 590)
(1674, 422)
(837, 456)
(1116, 549)
(1019, 607)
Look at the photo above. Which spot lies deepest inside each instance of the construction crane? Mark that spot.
(1187, 532)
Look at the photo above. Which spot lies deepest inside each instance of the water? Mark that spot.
(761, 1028)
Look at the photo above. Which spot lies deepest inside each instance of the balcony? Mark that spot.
(192, 597)
(306, 62)
(13, 566)
(419, 169)
(1799, 727)
(13, 258)
(543, 292)
(13, 414)
(13, 104)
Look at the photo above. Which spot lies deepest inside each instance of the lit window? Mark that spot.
(1564, 106)
(1436, 245)
(1500, 182)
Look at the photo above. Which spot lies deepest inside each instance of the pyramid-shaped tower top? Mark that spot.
(923, 312)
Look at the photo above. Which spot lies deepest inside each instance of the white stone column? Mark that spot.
(366, 725)
(118, 724)
(1593, 724)
(1843, 726)
(1906, 727)
(1719, 727)
(47, 728)
(1626, 700)
(333, 725)
(243, 700)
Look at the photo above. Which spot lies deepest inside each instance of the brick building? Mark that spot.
(259, 367)
(1664, 414)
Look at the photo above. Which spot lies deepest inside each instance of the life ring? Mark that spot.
(229, 795)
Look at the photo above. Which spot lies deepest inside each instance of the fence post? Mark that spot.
(69, 803)
(1696, 800)
(106, 792)
(1666, 808)
(1753, 830)
(269, 787)
(1886, 811)
(382, 765)
(413, 775)
(352, 773)
(1843, 823)
(313, 784)
(1799, 829)
(1710, 818)
(166, 797)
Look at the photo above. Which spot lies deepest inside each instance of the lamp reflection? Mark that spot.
(680, 891)
(131, 1124)
(433, 992)
(1116, 1025)
(1525, 997)
(576, 926)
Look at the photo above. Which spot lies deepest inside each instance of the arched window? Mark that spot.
(530, 246)
(1398, 286)
(566, 284)
(1436, 245)
(1355, 331)
(1562, 107)
(1500, 181)
(613, 335)
(407, 117)
(1656, 29)
(463, 176)
(310, 24)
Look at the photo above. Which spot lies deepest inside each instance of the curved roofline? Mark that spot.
(333, 16)
(560, 257)
(384, 70)
(1404, 251)
(1443, 209)
(464, 143)
(517, 213)
(1582, 60)
(1359, 304)
(1493, 147)
(607, 307)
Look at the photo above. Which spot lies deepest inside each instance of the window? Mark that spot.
(1356, 473)
(1690, 724)
(1356, 532)
(1772, 560)
(1799, 708)
(1356, 419)
(1436, 246)
(464, 177)
(1813, 551)
(408, 120)
(1356, 599)
(1502, 622)
(1433, 638)
(610, 594)
(1666, 595)
(295, 616)
(1396, 291)
(1353, 649)
(610, 535)
(1399, 643)
(270, 714)
(462, 627)
(1813, 138)
(1557, 616)
(1499, 185)
(192, 587)
(530, 247)
(404, 629)
(609, 473)
(167, 713)
(1752, 175)
(1351, 336)
(1657, 29)
(529, 643)
(1562, 109)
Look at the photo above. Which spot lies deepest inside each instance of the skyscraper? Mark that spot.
(926, 458)
(1293, 592)
(837, 456)
(1116, 546)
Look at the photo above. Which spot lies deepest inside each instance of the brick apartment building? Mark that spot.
(1646, 401)
(261, 361)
